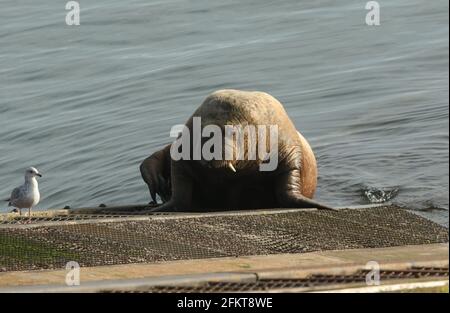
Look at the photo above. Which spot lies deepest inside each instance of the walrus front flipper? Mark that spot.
(155, 171)
(303, 202)
(181, 199)
(288, 192)
(166, 207)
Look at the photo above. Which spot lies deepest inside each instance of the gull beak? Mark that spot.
(39, 174)
(230, 165)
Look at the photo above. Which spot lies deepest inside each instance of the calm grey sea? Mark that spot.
(85, 104)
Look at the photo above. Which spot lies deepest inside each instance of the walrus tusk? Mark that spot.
(230, 165)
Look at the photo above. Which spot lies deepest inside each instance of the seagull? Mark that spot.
(27, 195)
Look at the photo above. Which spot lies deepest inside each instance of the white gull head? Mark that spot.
(31, 172)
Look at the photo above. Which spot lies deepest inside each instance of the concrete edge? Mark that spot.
(199, 279)
(133, 284)
(344, 269)
(138, 207)
(436, 256)
(393, 287)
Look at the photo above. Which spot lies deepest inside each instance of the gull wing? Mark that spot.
(17, 193)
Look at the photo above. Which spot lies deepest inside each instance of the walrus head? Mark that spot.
(217, 159)
(235, 162)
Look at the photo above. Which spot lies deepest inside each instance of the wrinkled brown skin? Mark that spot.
(189, 185)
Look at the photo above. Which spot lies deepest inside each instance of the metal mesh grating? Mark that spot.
(316, 280)
(24, 220)
(109, 239)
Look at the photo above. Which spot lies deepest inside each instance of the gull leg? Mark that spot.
(20, 212)
(29, 216)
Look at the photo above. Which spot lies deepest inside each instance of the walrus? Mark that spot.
(237, 183)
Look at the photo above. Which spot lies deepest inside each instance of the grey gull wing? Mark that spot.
(16, 194)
